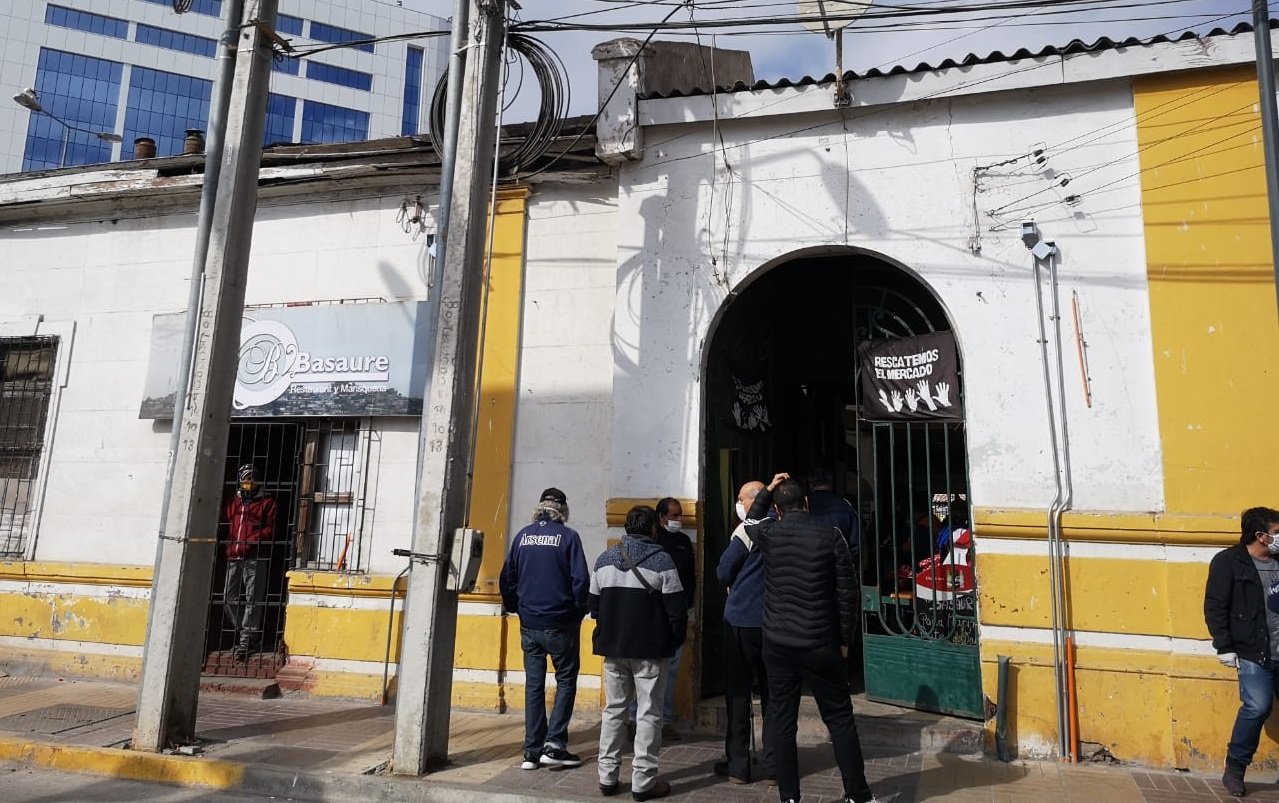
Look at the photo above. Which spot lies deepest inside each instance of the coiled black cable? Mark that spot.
(552, 81)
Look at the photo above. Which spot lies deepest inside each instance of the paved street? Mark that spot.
(19, 784)
(297, 748)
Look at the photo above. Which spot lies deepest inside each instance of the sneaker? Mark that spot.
(1232, 779)
(721, 769)
(240, 654)
(558, 757)
(669, 734)
(610, 789)
(659, 789)
(531, 761)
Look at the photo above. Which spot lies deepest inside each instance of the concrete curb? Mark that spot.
(257, 779)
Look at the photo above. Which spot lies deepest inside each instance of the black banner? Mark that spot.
(910, 379)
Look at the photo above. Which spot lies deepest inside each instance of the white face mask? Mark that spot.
(741, 512)
(1273, 546)
(673, 525)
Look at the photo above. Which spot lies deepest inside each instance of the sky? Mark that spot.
(789, 51)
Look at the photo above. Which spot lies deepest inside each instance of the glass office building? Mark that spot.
(136, 68)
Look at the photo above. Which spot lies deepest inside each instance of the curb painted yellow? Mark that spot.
(129, 764)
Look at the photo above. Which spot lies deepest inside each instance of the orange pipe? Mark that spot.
(1072, 701)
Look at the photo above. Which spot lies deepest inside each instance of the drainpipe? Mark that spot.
(1040, 252)
(1066, 503)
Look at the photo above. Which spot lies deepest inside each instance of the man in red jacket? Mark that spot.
(251, 515)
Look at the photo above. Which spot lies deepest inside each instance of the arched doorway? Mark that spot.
(783, 391)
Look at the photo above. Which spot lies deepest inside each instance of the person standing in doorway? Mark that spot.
(828, 507)
(741, 570)
(671, 538)
(251, 515)
(545, 581)
(810, 613)
(1241, 609)
(641, 614)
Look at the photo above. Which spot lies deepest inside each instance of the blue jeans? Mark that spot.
(1258, 686)
(561, 644)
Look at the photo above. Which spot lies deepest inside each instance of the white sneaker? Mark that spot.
(531, 761)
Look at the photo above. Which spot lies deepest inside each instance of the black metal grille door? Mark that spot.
(26, 387)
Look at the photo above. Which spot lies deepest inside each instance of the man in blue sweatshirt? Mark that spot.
(741, 569)
(545, 580)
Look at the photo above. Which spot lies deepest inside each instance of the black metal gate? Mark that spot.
(919, 599)
(782, 394)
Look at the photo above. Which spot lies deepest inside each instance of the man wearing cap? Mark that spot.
(546, 582)
(251, 517)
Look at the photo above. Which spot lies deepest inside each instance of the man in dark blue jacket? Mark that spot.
(545, 580)
(1241, 609)
(741, 569)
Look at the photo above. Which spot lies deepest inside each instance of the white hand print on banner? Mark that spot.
(943, 394)
(897, 401)
(912, 401)
(924, 395)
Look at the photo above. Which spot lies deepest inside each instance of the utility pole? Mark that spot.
(169, 693)
(430, 612)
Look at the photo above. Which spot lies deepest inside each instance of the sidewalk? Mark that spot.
(330, 750)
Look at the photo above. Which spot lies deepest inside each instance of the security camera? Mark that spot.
(1029, 233)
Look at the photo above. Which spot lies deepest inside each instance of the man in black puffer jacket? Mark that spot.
(810, 613)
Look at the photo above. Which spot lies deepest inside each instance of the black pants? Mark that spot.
(824, 671)
(744, 673)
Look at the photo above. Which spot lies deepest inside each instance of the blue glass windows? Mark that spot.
(324, 123)
(289, 25)
(176, 40)
(163, 106)
(84, 92)
(323, 32)
(412, 91)
(210, 8)
(341, 76)
(86, 21)
(280, 113)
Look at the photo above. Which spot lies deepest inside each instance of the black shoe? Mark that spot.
(531, 761)
(659, 789)
(610, 789)
(240, 655)
(557, 757)
(721, 769)
(1232, 778)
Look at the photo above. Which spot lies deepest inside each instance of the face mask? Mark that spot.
(673, 525)
(741, 512)
(1273, 546)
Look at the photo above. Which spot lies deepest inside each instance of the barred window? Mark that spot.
(26, 387)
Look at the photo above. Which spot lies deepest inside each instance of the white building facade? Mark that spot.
(136, 68)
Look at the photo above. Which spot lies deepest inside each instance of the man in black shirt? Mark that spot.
(671, 538)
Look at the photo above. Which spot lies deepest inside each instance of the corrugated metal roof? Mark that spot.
(1072, 47)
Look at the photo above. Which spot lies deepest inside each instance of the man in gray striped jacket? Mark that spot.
(641, 612)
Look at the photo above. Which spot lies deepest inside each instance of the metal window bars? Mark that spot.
(26, 388)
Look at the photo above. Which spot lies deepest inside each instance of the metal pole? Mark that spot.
(452, 114)
(233, 10)
(430, 612)
(66, 138)
(1269, 123)
(168, 694)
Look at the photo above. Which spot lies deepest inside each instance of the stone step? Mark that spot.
(256, 688)
(878, 725)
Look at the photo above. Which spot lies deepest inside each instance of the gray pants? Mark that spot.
(644, 682)
(242, 600)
